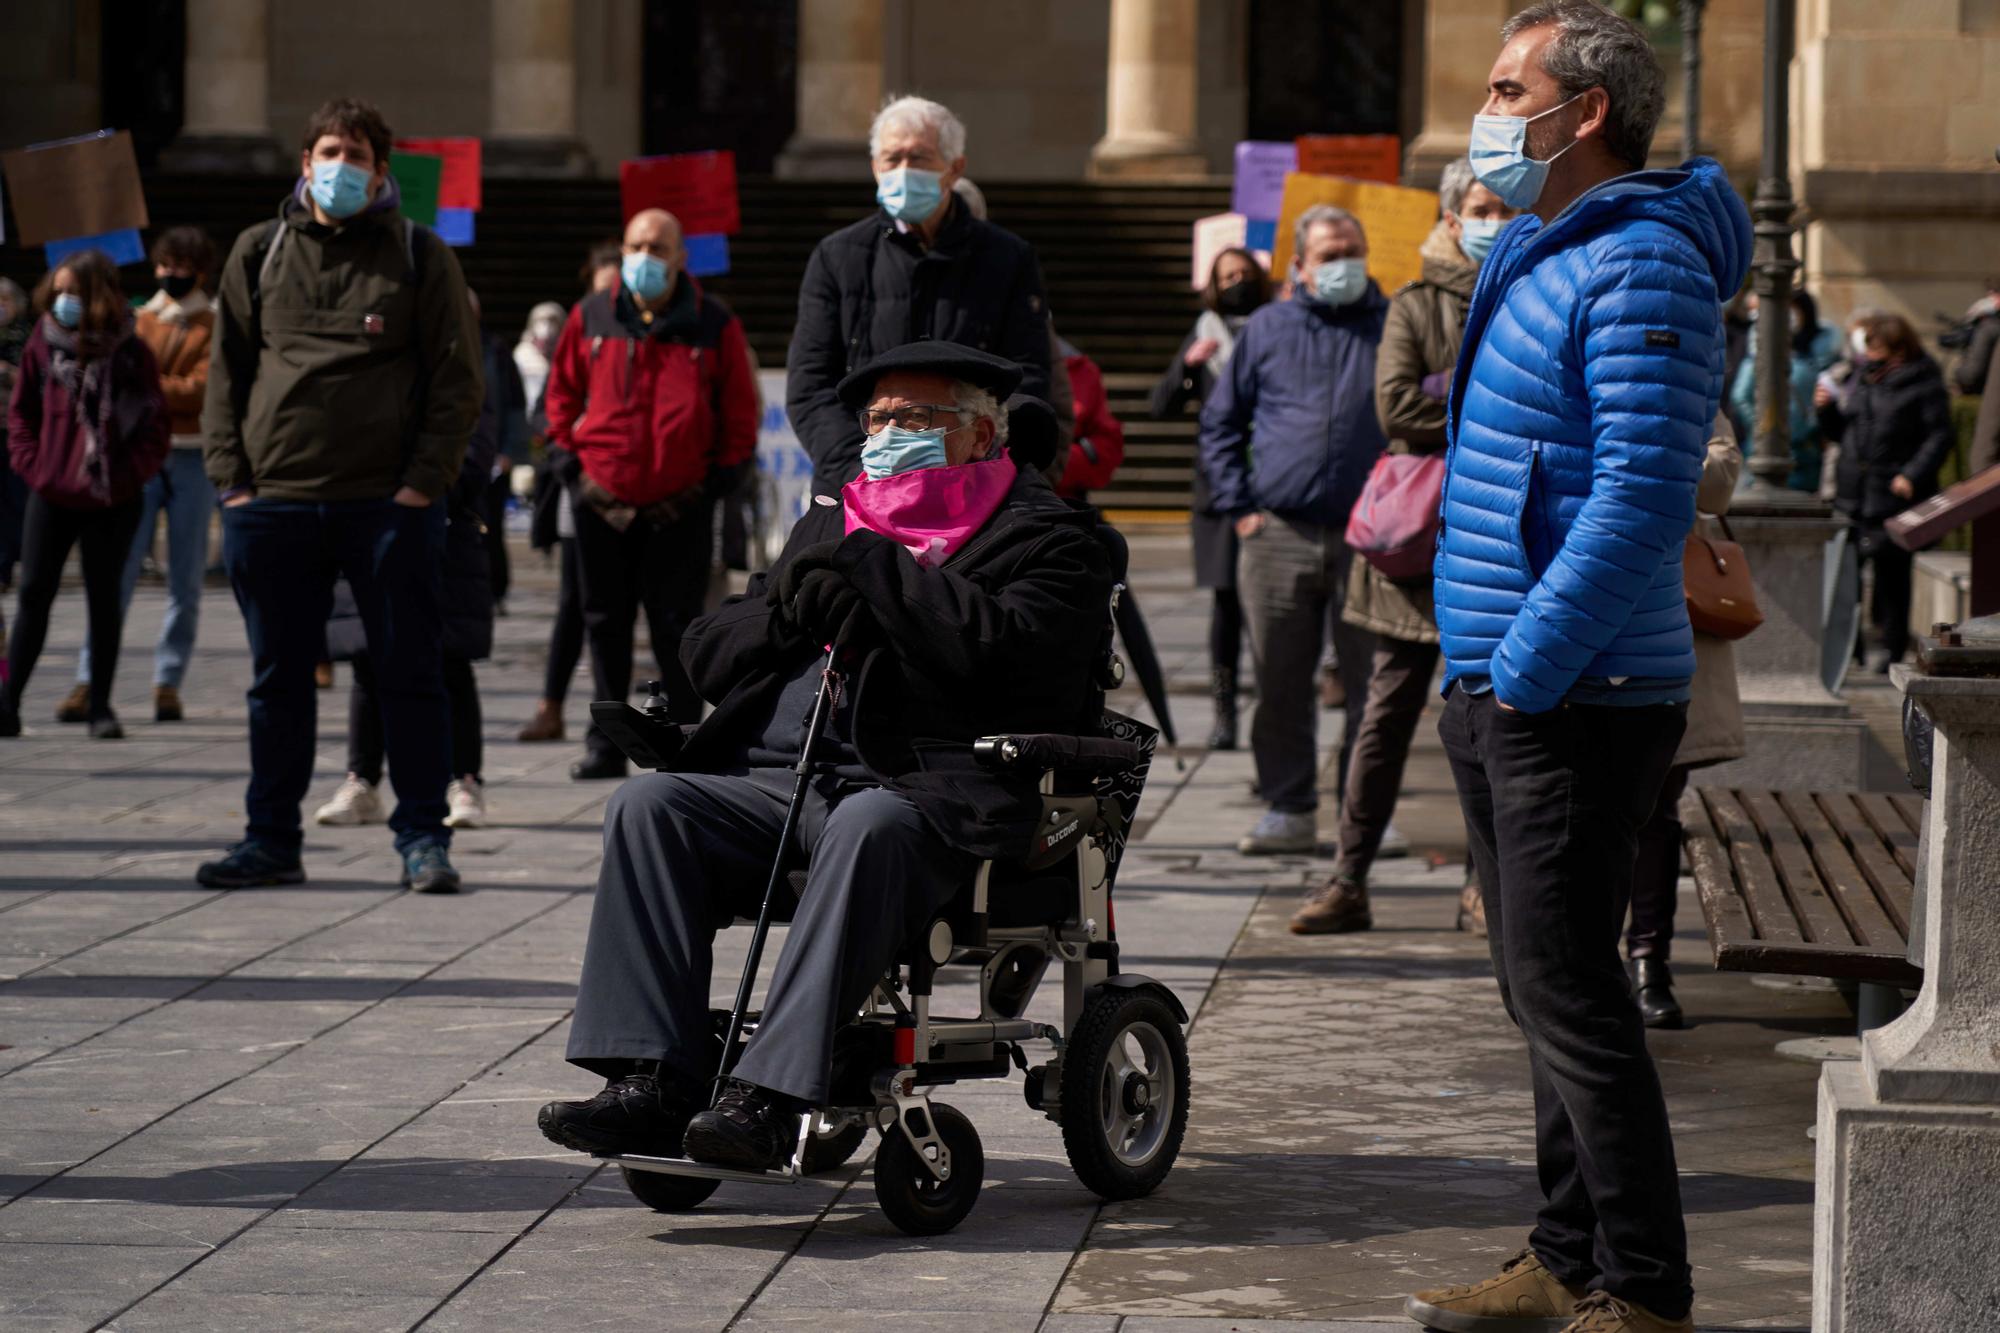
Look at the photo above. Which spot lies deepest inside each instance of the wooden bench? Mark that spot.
(1806, 883)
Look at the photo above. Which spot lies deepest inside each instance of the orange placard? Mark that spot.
(1362, 157)
(1395, 219)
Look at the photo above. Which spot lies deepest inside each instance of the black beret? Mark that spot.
(933, 356)
(1032, 433)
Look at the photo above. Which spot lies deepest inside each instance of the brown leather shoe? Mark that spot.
(167, 704)
(1332, 689)
(323, 675)
(1601, 1312)
(1334, 908)
(75, 706)
(545, 725)
(1472, 911)
(1523, 1298)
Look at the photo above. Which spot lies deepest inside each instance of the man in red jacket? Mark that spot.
(652, 414)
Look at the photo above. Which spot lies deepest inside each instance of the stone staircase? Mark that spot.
(1115, 258)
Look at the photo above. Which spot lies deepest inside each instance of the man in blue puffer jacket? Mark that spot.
(1590, 372)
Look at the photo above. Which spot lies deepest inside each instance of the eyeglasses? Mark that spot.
(910, 416)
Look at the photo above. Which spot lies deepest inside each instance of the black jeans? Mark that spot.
(283, 557)
(1225, 631)
(1889, 600)
(1656, 874)
(364, 720)
(1553, 805)
(566, 633)
(47, 534)
(660, 566)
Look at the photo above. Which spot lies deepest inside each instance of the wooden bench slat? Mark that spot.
(1755, 877)
(1886, 875)
(1721, 906)
(1851, 892)
(1911, 807)
(1820, 920)
(1848, 963)
(1891, 827)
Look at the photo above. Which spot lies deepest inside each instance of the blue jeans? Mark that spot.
(184, 493)
(283, 557)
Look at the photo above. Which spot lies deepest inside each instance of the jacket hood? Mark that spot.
(1445, 265)
(1696, 200)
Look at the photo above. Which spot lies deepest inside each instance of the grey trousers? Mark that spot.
(1292, 577)
(684, 855)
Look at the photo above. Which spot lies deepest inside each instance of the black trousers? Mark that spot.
(500, 569)
(47, 534)
(1399, 685)
(1889, 599)
(566, 633)
(660, 566)
(365, 747)
(1656, 873)
(1225, 631)
(1553, 806)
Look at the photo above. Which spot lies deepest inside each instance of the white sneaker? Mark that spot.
(467, 799)
(1394, 844)
(354, 803)
(1280, 833)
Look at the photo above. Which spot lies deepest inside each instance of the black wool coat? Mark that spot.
(1895, 425)
(1006, 636)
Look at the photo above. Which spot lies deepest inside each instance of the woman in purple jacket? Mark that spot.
(87, 428)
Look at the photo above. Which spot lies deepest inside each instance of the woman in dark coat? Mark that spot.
(1237, 285)
(1892, 421)
(87, 428)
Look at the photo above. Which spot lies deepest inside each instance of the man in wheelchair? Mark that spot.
(963, 599)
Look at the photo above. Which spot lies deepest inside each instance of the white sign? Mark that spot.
(784, 474)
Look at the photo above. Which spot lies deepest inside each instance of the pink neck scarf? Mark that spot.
(931, 511)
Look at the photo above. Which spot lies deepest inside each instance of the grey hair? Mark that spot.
(1453, 185)
(973, 197)
(1595, 48)
(973, 399)
(921, 115)
(1326, 213)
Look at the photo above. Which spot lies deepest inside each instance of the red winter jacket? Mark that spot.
(650, 417)
(46, 443)
(1099, 446)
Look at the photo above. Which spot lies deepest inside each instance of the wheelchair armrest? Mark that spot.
(1074, 754)
(649, 742)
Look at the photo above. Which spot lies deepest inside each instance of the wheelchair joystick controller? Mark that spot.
(656, 702)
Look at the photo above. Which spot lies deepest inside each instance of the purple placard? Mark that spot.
(123, 247)
(1261, 167)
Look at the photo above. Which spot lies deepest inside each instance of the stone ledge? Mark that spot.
(1881, 192)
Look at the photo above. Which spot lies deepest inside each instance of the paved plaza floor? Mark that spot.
(313, 1107)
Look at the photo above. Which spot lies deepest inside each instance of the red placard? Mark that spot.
(697, 188)
(458, 187)
(1362, 157)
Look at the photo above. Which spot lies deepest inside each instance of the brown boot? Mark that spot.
(1472, 911)
(1524, 1298)
(1334, 908)
(323, 676)
(75, 706)
(1601, 1312)
(1332, 689)
(545, 725)
(166, 704)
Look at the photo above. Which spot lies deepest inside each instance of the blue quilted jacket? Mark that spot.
(1579, 417)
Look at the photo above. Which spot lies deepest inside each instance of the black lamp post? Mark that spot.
(1771, 462)
(1691, 76)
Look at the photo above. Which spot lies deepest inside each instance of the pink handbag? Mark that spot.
(1395, 522)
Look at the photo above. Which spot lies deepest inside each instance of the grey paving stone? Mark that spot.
(324, 1312)
(76, 1286)
(277, 1258)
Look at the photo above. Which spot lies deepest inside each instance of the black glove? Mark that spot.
(563, 465)
(784, 589)
(830, 611)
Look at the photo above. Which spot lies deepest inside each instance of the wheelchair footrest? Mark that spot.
(681, 1166)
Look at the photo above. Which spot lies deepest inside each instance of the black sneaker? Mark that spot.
(250, 865)
(745, 1129)
(427, 869)
(10, 716)
(104, 727)
(598, 766)
(635, 1114)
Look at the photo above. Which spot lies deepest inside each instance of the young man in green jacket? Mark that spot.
(344, 387)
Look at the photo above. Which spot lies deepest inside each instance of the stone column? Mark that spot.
(1149, 105)
(1461, 38)
(225, 127)
(532, 123)
(1906, 1219)
(839, 90)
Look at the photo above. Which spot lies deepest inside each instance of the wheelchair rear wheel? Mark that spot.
(910, 1196)
(667, 1194)
(1124, 1094)
(824, 1152)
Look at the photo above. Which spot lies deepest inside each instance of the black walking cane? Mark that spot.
(829, 689)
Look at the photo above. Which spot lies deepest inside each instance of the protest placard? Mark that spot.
(1396, 220)
(1362, 157)
(87, 186)
(120, 247)
(707, 255)
(699, 189)
(455, 225)
(1261, 167)
(418, 176)
(458, 186)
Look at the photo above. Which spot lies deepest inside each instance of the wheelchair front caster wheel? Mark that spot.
(1124, 1094)
(910, 1196)
(824, 1152)
(667, 1194)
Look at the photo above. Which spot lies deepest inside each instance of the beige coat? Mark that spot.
(1715, 711)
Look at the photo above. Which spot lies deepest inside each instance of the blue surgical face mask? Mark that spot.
(340, 188)
(68, 309)
(910, 194)
(647, 275)
(1500, 161)
(1477, 236)
(1339, 282)
(892, 450)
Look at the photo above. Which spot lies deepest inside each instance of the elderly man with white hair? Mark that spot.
(922, 266)
(963, 599)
